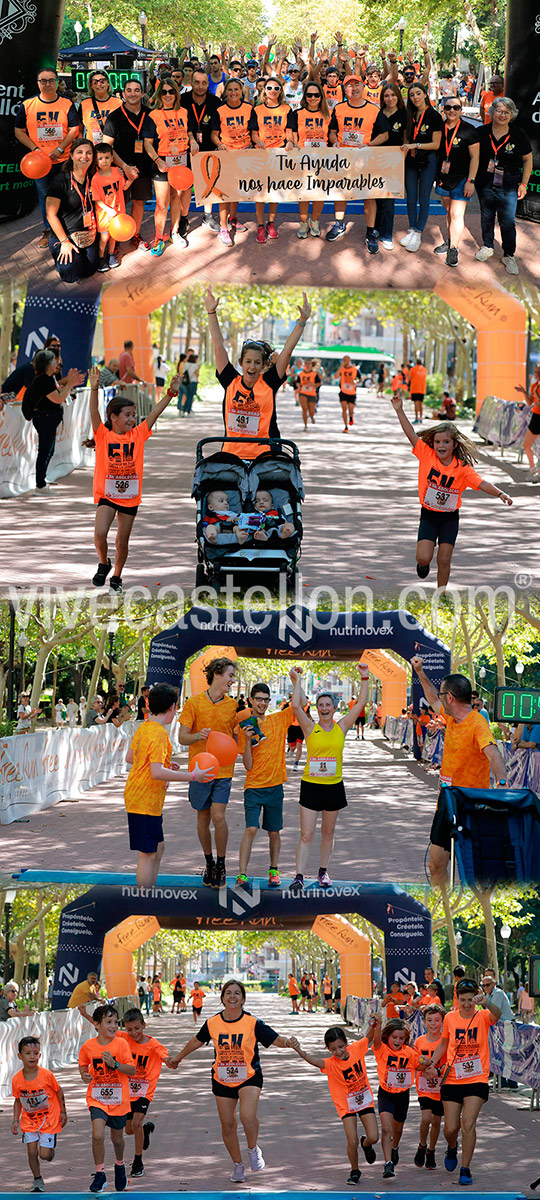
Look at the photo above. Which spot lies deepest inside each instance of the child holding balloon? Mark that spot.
(149, 756)
(108, 187)
(169, 151)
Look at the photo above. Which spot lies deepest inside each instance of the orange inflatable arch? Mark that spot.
(118, 948)
(354, 954)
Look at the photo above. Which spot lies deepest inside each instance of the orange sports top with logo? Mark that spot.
(108, 1088)
(373, 94)
(308, 382)
(396, 1068)
(468, 1046)
(334, 95)
(109, 189)
(40, 1105)
(94, 113)
(118, 473)
(347, 1079)
(271, 124)
(311, 127)
(347, 380)
(355, 123)
(249, 411)
(440, 487)
(236, 1046)
(47, 124)
(148, 1057)
(427, 1049)
(535, 393)
(172, 130)
(233, 126)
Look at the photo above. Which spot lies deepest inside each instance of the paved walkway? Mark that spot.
(300, 1135)
(360, 515)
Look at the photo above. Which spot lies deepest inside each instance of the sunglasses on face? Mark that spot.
(452, 107)
(312, 95)
(269, 88)
(168, 92)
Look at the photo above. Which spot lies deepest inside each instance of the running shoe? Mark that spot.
(220, 876)
(158, 248)
(238, 1173)
(241, 882)
(512, 268)
(297, 885)
(338, 230)
(256, 1160)
(183, 226)
(389, 1172)
(261, 234)
(394, 1155)
(345, 428)
(103, 266)
(178, 240)
(38, 1185)
(450, 1158)
(120, 1178)
(351, 420)
(211, 222)
(225, 237)
(271, 230)
(98, 1182)
(465, 1177)
(137, 1168)
(101, 573)
(452, 257)
(372, 243)
(422, 570)
(484, 253)
(208, 874)
(115, 583)
(354, 1178)
(369, 1152)
(387, 243)
(314, 228)
(420, 1156)
(430, 1160)
(443, 248)
(238, 225)
(404, 241)
(302, 230)
(148, 1129)
(113, 261)
(273, 878)
(414, 241)
(44, 240)
(295, 767)
(323, 878)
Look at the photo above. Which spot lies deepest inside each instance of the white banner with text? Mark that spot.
(331, 173)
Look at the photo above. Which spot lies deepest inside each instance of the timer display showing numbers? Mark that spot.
(517, 704)
(79, 79)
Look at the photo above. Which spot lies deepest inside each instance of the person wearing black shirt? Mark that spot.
(388, 130)
(74, 242)
(43, 399)
(422, 141)
(457, 164)
(503, 175)
(201, 106)
(125, 130)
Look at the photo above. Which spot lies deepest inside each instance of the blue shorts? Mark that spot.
(455, 193)
(145, 832)
(270, 799)
(99, 1114)
(204, 795)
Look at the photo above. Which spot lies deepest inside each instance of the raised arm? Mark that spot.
(305, 722)
(172, 391)
(403, 419)
(282, 360)
(430, 692)
(211, 304)
(93, 379)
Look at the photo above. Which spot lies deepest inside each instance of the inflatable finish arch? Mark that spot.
(180, 902)
(501, 344)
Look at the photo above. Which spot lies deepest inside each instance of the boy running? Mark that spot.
(148, 1055)
(197, 998)
(39, 1108)
(105, 1064)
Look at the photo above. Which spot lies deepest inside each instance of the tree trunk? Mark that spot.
(55, 677)
(42, 974)
(163, 328)
(6, 329)
(484, 899)
(189, 321)
(100, 652)
(172, 326)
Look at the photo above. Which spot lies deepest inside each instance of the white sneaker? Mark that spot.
(510, 264)
(256, 1160)
(314, 229)
(484, 253)
(238, 1173)
(387, 243)
(404, 241)
(414, 242)
(302, 230)
(178, 240)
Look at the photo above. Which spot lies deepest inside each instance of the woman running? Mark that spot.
(533, 400)
(348, 382)
(350, 1090)
(422, 141)
(118, 475)
(321, 789)
(170, 147)
(309, 380)
(96, 108)
(308, 126)
(445, 457)
(249, 402)
(230, 131)
(389, 130)
(236, 1072)
(268, 125)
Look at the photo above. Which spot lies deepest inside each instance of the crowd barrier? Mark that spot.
(61, 1035)
(523, 766)
(502, 422)
(514, 1048)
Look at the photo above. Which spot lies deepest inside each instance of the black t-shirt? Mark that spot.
(394, 126)
(200, 118)
(36, 394)
(459, 157)
(508, 156)
(125, 131)
(71, 210)
(422, 132)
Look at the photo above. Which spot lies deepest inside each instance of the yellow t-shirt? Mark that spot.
(142, 794)
(269, 768)
(200, 713)
(464, 763)
(325, 755)
(82, 994)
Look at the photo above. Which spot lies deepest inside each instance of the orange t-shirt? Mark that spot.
(440, 487)
(334, 95)
(249, 411)
(40, 1105)
(397, 382)
(417, 380)
(269, 767)
(347, 380)
(200, 713)
(294, 990)
(172, 131)
(309, 382)
(48, 124)
(485, 104)
(470, 1059)
(311, 127)
(148, 1057)
(393, 1000)
(109, 189)
(94, 114)
(396, 1068)
(142, 793)
(535, 393)
(118, 473)
(463, 763)
(197, 997)
(373, 94)
(233, 126)
(427, 1050)
(347, 1079)
(272, 124)
(108, 1089)
(355, 123)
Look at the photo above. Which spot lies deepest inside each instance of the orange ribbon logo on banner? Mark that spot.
(211, 169)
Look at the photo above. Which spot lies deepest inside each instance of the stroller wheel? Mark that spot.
(200, 575)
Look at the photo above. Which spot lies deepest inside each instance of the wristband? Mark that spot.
(115, 1065)
(502, 782)
(211, 311)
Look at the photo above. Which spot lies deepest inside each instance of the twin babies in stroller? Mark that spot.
(222, 527)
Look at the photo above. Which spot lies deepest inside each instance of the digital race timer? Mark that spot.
(517, 704)
(118, 79)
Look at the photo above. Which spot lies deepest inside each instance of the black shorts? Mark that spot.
(304, 993)
(346, 398)
(308, 399)
(322, 797)
(440, 831)
(458, 1091)
(534, 423)
(396, 1103)
(365, 1113)
(360, 721)
(141, 1104)
(196, 1010)
(131, 510)
(177, 996)
(99, 1114)
(436, 1106)
(140, 189)
(294, 735)
(418, 397)
(231, 1093)
(438, 526)
(145, 832)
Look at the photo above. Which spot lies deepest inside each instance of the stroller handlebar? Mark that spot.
(270, 442)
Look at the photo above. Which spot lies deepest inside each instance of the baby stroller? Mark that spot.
(277, 470)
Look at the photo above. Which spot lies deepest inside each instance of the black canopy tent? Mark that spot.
(107, 44)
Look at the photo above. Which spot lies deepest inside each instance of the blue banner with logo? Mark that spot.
(70, 315)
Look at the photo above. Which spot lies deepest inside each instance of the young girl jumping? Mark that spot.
(445, 458)
(118, 475)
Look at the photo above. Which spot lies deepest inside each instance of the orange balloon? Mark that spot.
(122, 227)
(36, 164)
(223, 746)
(207, 762)
(180, 178)
(262, 49)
